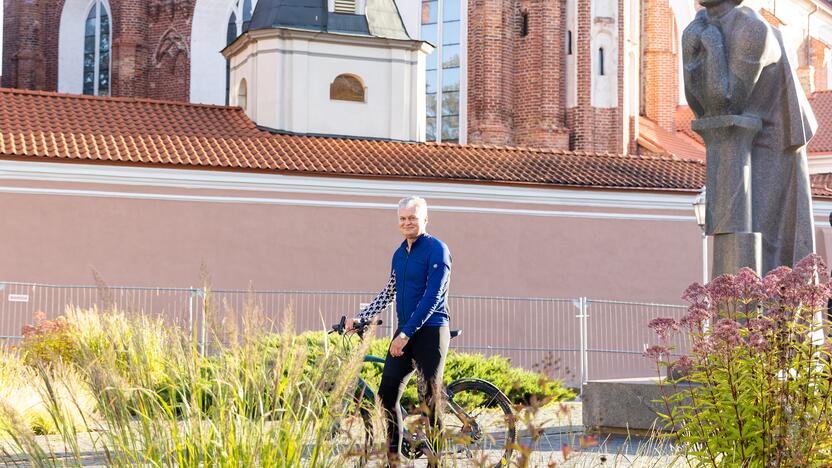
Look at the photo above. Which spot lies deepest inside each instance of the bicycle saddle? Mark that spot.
(455, 333)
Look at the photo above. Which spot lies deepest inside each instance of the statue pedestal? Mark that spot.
(728, 140)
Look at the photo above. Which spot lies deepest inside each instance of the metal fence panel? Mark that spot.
(22, 303)
(569, 339)
(535, 333)
(618, 336)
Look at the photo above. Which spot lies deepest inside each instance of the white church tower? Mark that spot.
(330, 67)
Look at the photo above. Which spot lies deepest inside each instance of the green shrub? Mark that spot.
(521, 386)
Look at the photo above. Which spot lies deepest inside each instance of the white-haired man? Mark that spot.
(419, 279)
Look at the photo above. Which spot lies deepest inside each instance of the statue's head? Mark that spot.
(709, 3)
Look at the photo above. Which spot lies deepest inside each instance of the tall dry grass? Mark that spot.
(138, 392)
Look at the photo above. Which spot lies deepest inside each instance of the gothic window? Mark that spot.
(524, 24)
(247, 10)
(601, 70)
(96, 78)
(347, 88)
(442, 26)
(569, 42)
(238, 23)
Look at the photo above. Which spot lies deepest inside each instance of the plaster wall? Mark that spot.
(301, 233)
(289, 79)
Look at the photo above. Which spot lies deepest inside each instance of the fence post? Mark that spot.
(202, 295)
(191, 312)
(583, 304)
(585, 315)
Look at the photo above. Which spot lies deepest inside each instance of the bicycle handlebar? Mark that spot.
(358, 327)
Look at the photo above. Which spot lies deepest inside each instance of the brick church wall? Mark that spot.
(150, 46)
(661, 64)
(516, 84)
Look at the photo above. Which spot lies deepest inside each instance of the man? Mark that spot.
(419, 280)
(735, 64)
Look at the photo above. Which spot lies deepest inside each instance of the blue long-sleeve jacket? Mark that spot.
(419, 282)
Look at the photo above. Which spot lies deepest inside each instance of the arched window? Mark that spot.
(347, 88)
(242, 94)
(242, 10)
(97, 37)
(247, 11)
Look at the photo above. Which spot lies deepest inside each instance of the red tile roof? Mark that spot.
(822, 185)
(52, 126)
(821, 102)
(684, 116)
(771, 18)
(658, 140)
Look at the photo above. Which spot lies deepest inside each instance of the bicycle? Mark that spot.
(478, 417)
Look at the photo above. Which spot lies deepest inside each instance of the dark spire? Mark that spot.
(380, 19)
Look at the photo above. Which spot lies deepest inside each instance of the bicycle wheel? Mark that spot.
(479, 424)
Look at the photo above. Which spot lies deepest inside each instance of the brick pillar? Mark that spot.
(129, 49)
(660, 64)
(583, 119)
(9, 42)
(489, 71)
(552, 69)
(27, 58)
(539, 64)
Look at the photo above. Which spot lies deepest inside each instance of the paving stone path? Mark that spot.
(561, 435)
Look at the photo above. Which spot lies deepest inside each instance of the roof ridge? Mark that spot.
(562, 152)
(113, 98)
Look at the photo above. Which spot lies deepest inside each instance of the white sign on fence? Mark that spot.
(18, 298)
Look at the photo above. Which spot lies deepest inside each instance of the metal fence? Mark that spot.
(571, 339)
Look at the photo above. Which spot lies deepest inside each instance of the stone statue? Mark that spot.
(756, 121)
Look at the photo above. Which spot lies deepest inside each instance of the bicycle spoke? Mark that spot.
(479, 425)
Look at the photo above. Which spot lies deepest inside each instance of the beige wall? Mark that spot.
(327, 236)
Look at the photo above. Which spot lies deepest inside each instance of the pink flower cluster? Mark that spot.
(744, 309)
(664, 327)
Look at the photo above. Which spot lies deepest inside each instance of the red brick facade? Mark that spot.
(517, 88)
(661, 64)
(150, 46)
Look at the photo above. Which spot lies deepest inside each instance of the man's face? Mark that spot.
(412, 221)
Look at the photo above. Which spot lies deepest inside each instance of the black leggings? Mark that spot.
(425, 352)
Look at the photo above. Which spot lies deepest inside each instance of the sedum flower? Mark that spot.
(683, 364)
(749, 286)
(697, 295)
(758, 342)
(727, 331)
(664, 327)
(695, 316)
(655, 352)
(724, 288)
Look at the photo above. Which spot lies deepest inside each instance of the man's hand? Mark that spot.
(351, 323)
(397, 346)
